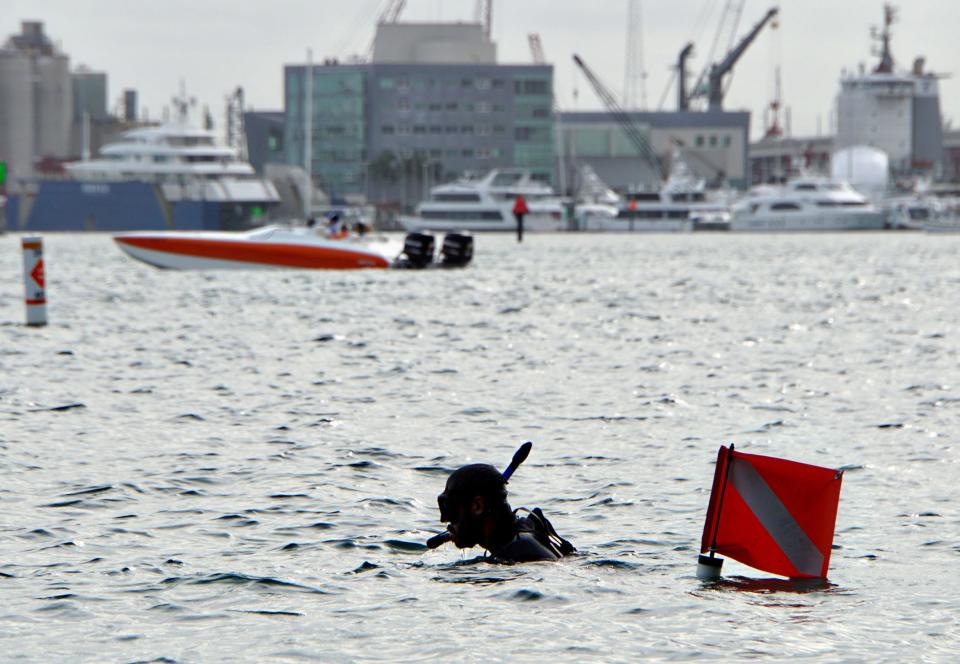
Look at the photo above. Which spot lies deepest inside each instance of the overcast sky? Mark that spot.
(215, 45)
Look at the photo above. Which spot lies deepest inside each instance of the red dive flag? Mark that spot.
(772, 514)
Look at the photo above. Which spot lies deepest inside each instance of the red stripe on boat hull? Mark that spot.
(262, 253)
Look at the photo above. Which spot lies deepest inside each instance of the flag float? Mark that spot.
(772, 514)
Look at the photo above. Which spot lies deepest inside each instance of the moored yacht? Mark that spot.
(681, 204)
(486, 204)
(172, 176)
(805, 204)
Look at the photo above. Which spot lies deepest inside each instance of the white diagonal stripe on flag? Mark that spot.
(775, 517)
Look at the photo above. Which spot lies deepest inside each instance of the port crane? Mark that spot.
(719, 173)
(629, 126)
(483, 13)
(714, 90)
(390, 14)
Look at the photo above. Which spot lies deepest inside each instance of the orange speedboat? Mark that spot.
(267, 247)
(296, 248)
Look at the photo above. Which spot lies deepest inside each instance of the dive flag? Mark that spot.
(772, 514)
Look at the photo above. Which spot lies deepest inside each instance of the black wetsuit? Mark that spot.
(534, 540)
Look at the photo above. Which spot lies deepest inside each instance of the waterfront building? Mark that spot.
(432, 104)
(951, 155)
(713, 144)
(91, 124)
(89, 90)
(264, 131)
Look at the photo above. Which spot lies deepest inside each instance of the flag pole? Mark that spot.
(708, 567)
(723, 491)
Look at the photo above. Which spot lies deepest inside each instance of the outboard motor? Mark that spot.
(457, 250)
(418, 250)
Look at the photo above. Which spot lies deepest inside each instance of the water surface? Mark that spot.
(243, 466)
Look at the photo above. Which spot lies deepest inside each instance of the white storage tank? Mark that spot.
(864, 167)
(16, 114)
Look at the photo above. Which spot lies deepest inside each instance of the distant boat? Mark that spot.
(172, 176)
(273, 247)
(681, 204)
(267, 247)
(945, 217)
(805, 204)
(486, 204)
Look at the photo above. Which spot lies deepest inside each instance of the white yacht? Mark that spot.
(944, 203)
(681, 204)
(172, 176)
(805, 204)
(187, 162)
(486, 204)
(909, 212)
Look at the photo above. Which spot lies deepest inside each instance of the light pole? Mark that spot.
(308, 138)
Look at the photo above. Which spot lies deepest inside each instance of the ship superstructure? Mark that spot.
(894, 110)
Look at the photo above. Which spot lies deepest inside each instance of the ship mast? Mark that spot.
(885, 65)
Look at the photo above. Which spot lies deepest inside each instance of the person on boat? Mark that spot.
(474, 505)
(519, 210)
(336, 230)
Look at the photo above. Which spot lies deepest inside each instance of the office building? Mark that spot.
(432, 104)
(712, 143)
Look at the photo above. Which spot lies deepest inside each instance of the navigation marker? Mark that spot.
(34, 282)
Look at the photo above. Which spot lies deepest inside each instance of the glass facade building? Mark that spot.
(389, 130)
(338, 127)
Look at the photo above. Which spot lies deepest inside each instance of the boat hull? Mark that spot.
(531, 223)
(945, 225)
(261, 249)
(798, 222)
(72, 206)
(626, 225)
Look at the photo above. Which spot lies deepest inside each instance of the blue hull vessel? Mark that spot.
(63, 205)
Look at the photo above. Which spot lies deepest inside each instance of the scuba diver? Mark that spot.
(474, 504)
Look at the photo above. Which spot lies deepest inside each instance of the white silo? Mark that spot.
(53, 105)
(16, 113)
(35, 100)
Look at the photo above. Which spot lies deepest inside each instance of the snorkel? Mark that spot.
(518, 457)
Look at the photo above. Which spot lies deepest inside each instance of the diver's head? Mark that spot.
(473, 500)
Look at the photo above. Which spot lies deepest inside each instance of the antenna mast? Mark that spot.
(236, 136)
(483, 13)
(634, 71)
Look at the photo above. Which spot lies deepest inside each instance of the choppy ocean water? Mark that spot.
(243, 466)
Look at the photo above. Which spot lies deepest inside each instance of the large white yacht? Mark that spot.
(681, 204)
(944, 203)
(186, 162)
(486, 204)
(172, 176)
(805, 204)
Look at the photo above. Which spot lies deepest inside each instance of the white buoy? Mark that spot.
(35, 296)
(708, 568)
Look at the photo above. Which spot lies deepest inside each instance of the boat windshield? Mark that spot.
(506, 179)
